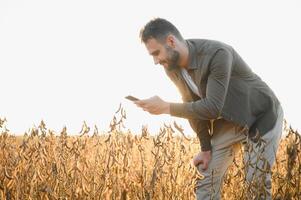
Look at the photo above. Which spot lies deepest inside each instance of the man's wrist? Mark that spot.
(205, 152)
(167, 108)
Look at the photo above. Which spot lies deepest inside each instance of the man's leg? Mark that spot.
(259, 158)
(223, 143)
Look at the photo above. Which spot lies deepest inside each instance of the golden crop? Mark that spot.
(121, 165)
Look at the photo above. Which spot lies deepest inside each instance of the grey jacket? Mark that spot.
(229, 90)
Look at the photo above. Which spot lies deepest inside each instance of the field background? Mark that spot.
(118, 164)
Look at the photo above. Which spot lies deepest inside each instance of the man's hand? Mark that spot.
(154, 105)
(203, 158)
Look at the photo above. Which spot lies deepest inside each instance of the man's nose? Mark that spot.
(156, 60)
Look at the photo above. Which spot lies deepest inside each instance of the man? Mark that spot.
(224, 101)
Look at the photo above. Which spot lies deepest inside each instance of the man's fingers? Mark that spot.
(149, 105)
(202, 159)
(148, 109)
(139, 103)
(204, 165)
(196, 162)
(154, 112)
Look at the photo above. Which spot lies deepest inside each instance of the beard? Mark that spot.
(173, 58)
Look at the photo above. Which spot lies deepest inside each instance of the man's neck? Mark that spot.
(184, 56)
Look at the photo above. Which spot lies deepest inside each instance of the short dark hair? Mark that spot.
(159, 29)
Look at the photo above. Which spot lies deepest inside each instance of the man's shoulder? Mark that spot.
(207, 45)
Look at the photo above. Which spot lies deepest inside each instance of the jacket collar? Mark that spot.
(192, 55)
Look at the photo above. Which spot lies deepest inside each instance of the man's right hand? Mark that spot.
(202, 158)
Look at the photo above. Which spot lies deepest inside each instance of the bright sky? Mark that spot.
(66, 61)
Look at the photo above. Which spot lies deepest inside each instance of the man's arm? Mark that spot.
(211, 106)
(201, 127)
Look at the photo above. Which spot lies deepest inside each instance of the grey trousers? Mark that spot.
(258, 159)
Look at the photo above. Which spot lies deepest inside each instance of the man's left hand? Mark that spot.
(202, 158)
(154, 105)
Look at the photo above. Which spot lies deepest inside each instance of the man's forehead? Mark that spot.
(152, 41)
(153, 45)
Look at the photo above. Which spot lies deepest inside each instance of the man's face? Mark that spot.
(163, 54)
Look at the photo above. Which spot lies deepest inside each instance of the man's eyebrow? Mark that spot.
(155, 52)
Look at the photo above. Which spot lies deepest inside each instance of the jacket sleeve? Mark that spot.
(209, 107)
(201, 127)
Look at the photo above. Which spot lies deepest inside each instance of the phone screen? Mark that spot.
(131, 98)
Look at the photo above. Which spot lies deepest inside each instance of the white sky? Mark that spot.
(66, 61)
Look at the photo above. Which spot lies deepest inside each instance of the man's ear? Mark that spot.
(171, 41)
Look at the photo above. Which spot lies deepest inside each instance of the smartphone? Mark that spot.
(131, 98)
